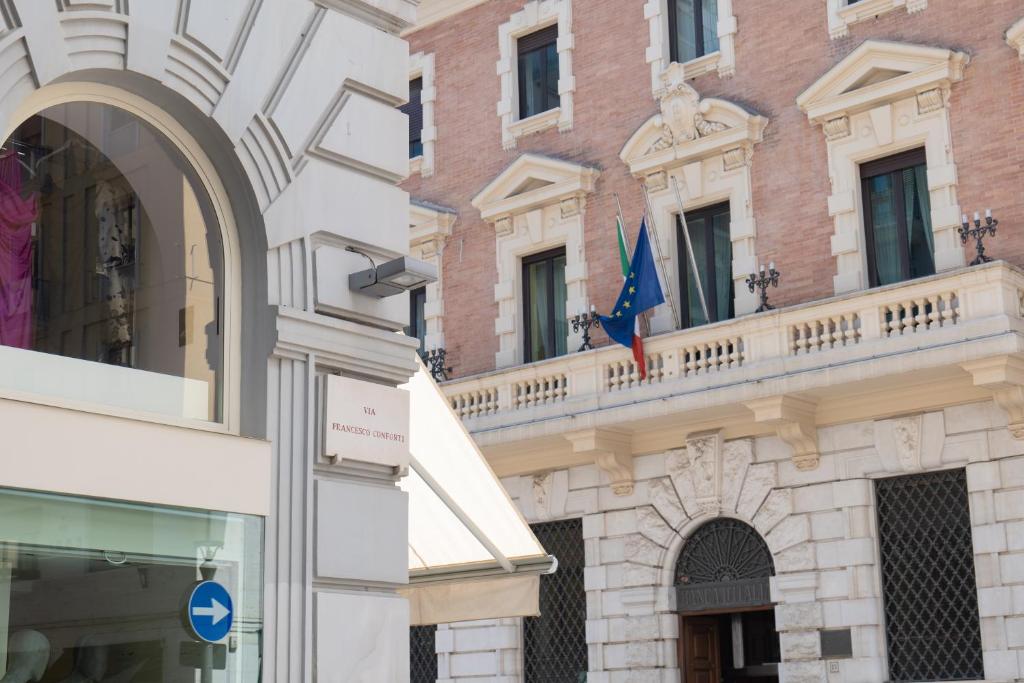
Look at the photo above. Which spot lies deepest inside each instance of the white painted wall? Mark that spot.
(283, 100)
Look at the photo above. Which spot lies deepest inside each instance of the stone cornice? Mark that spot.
(879, 72)
(556, 180)
(392, 16)
(350, 347)
(433, 11)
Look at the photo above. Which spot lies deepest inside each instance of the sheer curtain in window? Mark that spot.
(918, 208)
(723, 267)
(540, 310)
(884, 223)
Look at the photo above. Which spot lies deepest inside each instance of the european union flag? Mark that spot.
(641, 291)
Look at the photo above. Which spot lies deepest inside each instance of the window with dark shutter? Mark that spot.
(897, 218)
(712, 249)
(555, 644)
(538, 72)
(545, 323)
(929, 591)
(417, 328)
(414, 110)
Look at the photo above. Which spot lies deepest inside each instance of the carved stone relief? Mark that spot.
(682, 114)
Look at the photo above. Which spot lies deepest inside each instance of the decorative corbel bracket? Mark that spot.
(1004, 377)
(612, 451)
(794, 422)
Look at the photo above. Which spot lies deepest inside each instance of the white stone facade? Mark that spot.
(286, 109)
(819, 525)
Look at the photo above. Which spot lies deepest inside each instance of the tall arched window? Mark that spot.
(110, 253)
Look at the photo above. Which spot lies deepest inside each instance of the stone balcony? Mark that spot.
(954, 337)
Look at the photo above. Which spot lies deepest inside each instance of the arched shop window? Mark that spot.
(111, 259)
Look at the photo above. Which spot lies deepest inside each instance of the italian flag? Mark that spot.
(638, 343)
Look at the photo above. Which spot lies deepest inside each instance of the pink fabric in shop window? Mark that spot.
(17, 214)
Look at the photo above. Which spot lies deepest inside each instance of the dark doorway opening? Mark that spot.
(736, 647)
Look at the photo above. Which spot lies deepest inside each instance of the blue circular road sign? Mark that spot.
(210, 611)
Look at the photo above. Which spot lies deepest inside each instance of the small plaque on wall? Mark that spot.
(365, 422)
(837, 644)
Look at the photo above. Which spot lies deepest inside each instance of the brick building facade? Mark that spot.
(796, 422)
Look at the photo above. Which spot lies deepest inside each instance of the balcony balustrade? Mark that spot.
(790, 350)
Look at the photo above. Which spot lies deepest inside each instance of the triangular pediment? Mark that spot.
(533, 181)
(880, 71)
(1015, 38)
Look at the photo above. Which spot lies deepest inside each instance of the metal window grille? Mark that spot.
(723, 550)
(554, 644)
(928, 583)
(422, 654)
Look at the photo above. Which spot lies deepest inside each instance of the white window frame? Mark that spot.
(421, 66)
(706, 147)
(659, 54)
(1015, 38)
(528, 222)
(429, 229)
(883, 118)
(842, 14)
(535, 15)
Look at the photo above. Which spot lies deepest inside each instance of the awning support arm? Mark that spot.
(462, 516)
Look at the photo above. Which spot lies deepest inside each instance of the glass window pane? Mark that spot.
(561, 323)
(540, 310)
(917, 205)
(709, 19)
(685, 31)
(723, 267)
(417, 319)
(94, 590)
(698, 238)
(885, 226)
(538, 80)
(551, 64)
(110, 253)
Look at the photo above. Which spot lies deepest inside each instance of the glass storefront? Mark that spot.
(112, 263)
(93, 590)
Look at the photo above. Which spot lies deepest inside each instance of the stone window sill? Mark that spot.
(699, 66)
(415, 165)
(536, 123)
(863, 10)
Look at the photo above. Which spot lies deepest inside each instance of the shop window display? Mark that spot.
(97, 591)
(111, 253)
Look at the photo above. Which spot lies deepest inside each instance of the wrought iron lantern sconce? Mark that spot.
(977, 233)
(769, 278)
(435, 359)
(585, 321)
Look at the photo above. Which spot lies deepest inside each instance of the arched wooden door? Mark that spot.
(727, 631)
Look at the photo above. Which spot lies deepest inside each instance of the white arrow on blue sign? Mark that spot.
(210, 611)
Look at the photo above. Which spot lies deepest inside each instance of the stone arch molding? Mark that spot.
(298, 145)
(706, 145)
(250, 66)
(881, 99)
(712, 478)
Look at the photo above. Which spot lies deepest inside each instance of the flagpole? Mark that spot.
(625, 237)
(657, 247)
(689, 250)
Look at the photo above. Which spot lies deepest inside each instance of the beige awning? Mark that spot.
(471, 554)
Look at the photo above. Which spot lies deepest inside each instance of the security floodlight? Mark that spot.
(394, 277)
